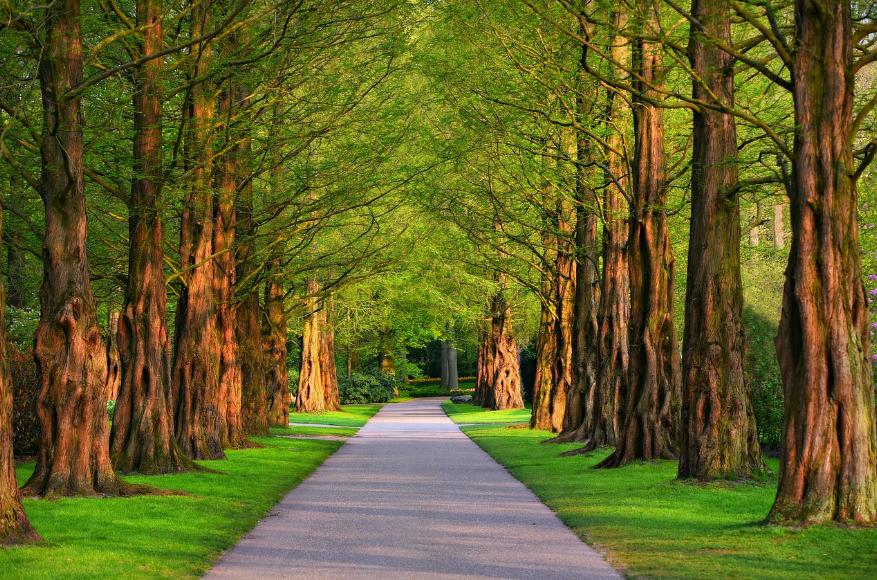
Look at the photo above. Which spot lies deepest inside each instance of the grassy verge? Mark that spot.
(467, 413)
(654, 526)
(305, 431)
(163, 537)
(351, 416)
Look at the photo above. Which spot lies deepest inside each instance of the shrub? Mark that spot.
(21, 325)
(25, 387)
(361, 388)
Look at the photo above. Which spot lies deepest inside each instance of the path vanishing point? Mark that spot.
(411, 497)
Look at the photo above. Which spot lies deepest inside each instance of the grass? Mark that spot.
(298, 430)
(466, 413)
(162, 537)
(351, 416)
(653, 526)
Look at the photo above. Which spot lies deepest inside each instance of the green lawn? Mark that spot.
(351, 416)
(162, 537)
(299, 430)
(653, 526)
(467, 413)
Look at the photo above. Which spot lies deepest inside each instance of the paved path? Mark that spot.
(411, 497)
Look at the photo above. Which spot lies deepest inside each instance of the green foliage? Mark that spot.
(21, 325)
(111, 409)
(163, 537)
(25, 388)
(653, 526)
(430, 389)
(362, 388)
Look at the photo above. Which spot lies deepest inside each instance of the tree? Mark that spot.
(718, 436)
(15, 528)
(274, 341)
(828, 469)
(74, 453)
(142, 438)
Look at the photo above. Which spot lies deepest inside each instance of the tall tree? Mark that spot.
(719, 438)
(198, 424)
(74, 454)
(15, 528)
(274, 341)
(142, 437)
(506, 392)
(650, 429)
(311, 396)
(828, 469)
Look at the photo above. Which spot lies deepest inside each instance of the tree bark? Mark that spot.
(15, 528)
(453, 373)
(74, 454)
(828, 469)
(483, 394)
(651, 421)
(562, 366)
(546, 347)
(274, 343)
(142, 438)
(311, 397)
(328, 370)
(445, 369)
(198, 416)
(719, 439)
(506, 392)
(114, 362)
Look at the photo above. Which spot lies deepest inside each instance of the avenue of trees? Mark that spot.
(226, 207)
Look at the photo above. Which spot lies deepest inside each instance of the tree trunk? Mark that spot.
(114, 362)
(353, 360)
(254, 400)
(15, 528)
(506, 392)
(562, 366)
(719, 439)
(274, 344)
(445, 369)
(142, 438)
(606, 400)
(453, 374)
(483, 394)
(328, 370)
(198, 417)
(546, 347)
(311, 397)
(779, 235)
(74, 454)
(15, 270)
(651, 421)
(828, 469)
(386, 354)
(754, 233)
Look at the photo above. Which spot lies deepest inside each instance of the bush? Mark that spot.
(25, 387)
(360, 388)
(21, 325)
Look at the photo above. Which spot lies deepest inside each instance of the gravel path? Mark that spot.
(411, 497)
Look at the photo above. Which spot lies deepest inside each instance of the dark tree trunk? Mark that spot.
(74, 456)
(506, 392)
(198, 417)
(328, 370)
(15, 528)
(353, 360)
(546, 347)
(719, 439)
(142, 438)
(445, 369)
(114, 361)
(254, 400)
(828, 469)
(453, 372)
(311, 397)
(15, 270)
(274, 343)
(483, 394)
(562, 366)
(651, 420)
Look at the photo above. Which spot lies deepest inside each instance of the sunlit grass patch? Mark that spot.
(466, 413)
(351, 416)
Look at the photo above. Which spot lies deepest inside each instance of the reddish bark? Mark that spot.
(142, 438)
(828, 469)
(328, 370)
(311, 397)
(198, 424)
(651, 420)
(562, 366)
(483, 394)
(274, 343)
(506, 392)
(719, 438)
(74, 454)
(15, 528)
(114, 363)
(546, 347)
